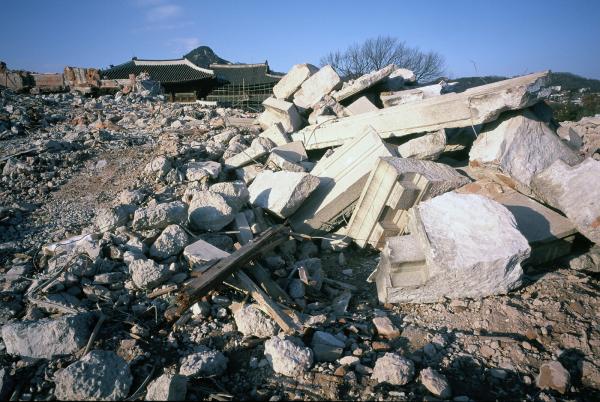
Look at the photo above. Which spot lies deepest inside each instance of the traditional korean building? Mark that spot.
(179, 78)
(243, 85)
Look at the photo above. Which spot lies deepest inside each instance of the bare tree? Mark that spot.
(376, 53)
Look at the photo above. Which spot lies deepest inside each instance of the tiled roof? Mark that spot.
(178, 70)
(249, 74)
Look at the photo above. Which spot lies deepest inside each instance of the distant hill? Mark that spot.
(567, 81)
(203, 56)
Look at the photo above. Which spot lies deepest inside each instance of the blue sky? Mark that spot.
(475, 37)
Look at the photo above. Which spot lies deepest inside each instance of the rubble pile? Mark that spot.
(154, 250)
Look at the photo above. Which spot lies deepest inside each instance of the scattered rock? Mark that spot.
(288, 358)
(99, 375)
(250, 321)
(436, 383)
(393, 369)
(203, 363)
(553, 376)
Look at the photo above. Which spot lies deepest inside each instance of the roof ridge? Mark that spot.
(182, 61)
(217, 65)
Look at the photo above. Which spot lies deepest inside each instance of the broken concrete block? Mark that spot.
(201, 253)
(393, 187)
(282, 193)
(167, 387)
(209, 211)
(342, 176)
(575, 191)
(472, 248)
(410, 95)
(47, 338)
(170, 242)
(248, 173)
(277, 134)
(314, 88)
(326, 109)
(570, 137)
(363, 82)
(549, 234)
(160, 216)
(287, 157)
(518, 147)
(361, 105)
(287, 357)
(259, 148)
(428, 147)
(553, 376)
(292, 81)
(280, 111)
(251, 321)
(235, 193)
(202, 170)
(397, 80)
(474, 106)
(393, 369)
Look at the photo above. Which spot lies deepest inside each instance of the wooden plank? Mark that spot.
(242, 280)
(263, 277)
(198, 287)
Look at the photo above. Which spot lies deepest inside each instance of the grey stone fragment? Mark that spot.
(472, 249)
(235, 193)
(147, 274)
(201, 252)
(553, 376)
(281, 193)
(202, 170)
(99, 375)
(393, 369)
(575, 191)
(250, 321)
(204, 363)
(47, 338)
(287, 358)
(436, 383)
(167, 387)
(209, 211)
(159, 166)
(160, 216)
(111, 218)
(132, 197)
(428, 147)
(519, 146)
(171, 242)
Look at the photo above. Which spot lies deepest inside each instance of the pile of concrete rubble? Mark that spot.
(226, 225)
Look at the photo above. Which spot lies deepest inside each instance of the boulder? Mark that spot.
(195, 171)
(288, 358)
(518, 147)
(553, 376)
(208, 211)
(435, 383)
(171, 242)
(147, 274)
(160, 216)
(250, 321)
(235, 193)
(460, 246)
(393, 369)
(574, 191)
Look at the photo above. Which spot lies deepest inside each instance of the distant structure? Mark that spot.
(180, 79)
(232, 85)
(243, 85)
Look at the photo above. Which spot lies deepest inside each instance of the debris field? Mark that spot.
(362, 239)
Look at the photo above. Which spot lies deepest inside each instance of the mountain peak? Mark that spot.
(203, 56)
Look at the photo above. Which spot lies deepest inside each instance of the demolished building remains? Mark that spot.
(231, 220)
